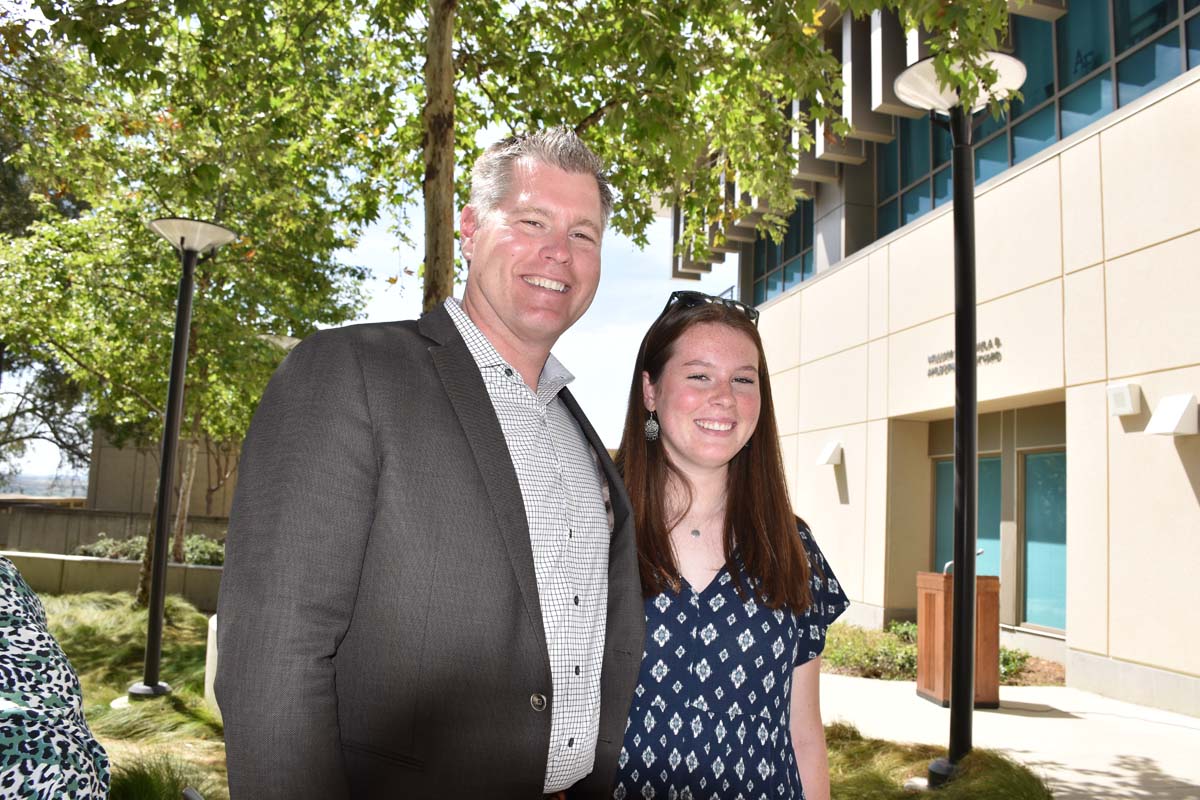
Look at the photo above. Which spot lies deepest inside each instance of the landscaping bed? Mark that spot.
(159, 746)
(892, 655)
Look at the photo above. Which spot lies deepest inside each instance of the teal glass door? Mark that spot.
(1046, 539)
(988, 528)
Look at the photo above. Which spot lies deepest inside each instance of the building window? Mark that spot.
(1045, 534)
(779, 267)
(1101, 55)
(988, 512)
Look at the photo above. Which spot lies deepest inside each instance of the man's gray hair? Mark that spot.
(491, 177)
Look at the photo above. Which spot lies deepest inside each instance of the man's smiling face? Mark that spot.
(534, 259)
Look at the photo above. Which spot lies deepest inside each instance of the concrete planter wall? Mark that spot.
(59, 574)
(50, 529)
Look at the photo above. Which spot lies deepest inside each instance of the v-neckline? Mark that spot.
(716, 576)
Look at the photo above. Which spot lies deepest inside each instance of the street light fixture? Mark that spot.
(190, 237)
(918, 86)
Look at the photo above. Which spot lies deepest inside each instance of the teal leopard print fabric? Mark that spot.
(46, 749)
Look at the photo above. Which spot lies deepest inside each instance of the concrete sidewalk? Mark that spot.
(1084, 745)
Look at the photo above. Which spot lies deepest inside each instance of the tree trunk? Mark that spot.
(185, 496)
(142, 598)
(438, 185)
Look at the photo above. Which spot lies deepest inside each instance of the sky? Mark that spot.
(599, 350)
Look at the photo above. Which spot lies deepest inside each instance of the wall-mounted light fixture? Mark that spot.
(1175, 415)
(1124, 399)
(831, 454)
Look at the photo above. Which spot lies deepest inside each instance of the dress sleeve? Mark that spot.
(828, 602)
(46, 748)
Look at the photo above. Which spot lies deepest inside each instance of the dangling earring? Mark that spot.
(652, 428)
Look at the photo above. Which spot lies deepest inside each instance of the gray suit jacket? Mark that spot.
(380, 634)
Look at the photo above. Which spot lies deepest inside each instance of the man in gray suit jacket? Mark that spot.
(430, 585)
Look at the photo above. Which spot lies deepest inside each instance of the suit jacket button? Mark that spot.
(538, 701)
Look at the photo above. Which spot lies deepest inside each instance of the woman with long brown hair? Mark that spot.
(738, 596)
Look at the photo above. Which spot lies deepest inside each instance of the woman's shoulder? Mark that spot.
(824, 582)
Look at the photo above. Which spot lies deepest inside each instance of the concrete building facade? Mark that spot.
(1088, 279)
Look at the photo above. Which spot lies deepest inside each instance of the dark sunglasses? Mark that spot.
(691, 299)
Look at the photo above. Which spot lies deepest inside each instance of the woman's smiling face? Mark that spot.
(707, 398)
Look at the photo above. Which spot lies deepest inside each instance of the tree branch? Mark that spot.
(150, 406)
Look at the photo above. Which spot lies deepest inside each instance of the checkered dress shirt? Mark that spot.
(560, 484)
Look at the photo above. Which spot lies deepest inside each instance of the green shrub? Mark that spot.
(197, 549)
(892, 654)
(204, 551)
(870, 654)
(125, 549)
(1012, 662)
(905, 631)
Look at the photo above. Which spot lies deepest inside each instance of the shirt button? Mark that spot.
(537, 701)
(571, 742)
(508, 371)
(570, 534)
(576, 599)
(576, 669)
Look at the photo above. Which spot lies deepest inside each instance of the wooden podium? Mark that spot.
(935, 610)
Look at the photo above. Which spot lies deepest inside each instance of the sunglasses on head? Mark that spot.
(692, 299)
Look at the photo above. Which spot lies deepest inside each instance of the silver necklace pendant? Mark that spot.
(695, 533)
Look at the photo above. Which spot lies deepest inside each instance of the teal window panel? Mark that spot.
(1034, 41)
(772, 253)
(1083, 106)
(991, 159)
(760, 258)
(1046, 539)
(1033, 134)
(1148, 68)
(1137, 20)
(774, 284)
(914, 149)
(760, 292)
(809, 268)
(989, 126)
(943, 550)
(1190, 4)
(987, 512)
(1082, 40)
(943, 187)
(1193, 38)
(806, 238)
(793, 273)
(916, 201)
(793, 238)
(887, 169)
(887, 218)
(943, 146)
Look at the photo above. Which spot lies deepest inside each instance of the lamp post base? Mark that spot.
(141, 691)
(941, 771)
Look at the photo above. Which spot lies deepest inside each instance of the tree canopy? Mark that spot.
(297, 122)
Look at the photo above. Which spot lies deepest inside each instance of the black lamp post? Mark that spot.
(918, 87)
(191, 238)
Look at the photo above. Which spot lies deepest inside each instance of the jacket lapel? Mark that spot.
(464, 386)
(618, 500)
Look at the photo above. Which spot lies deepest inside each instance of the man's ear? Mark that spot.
(649, 392)
(468, 225)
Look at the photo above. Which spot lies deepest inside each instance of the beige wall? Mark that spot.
(1088, 264)
(125, 479)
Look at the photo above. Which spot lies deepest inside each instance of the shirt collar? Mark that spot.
(554, 375)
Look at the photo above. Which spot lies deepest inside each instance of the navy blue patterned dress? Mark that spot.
(711, 712)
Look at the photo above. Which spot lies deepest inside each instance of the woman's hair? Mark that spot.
(759, 522)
